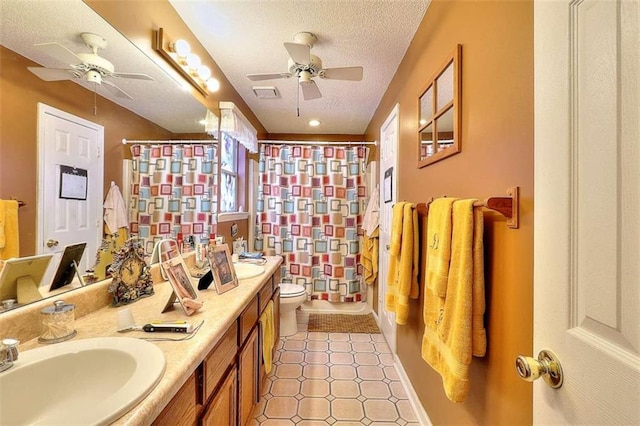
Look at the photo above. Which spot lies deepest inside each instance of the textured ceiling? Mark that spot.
(243, 37)
(246, 37)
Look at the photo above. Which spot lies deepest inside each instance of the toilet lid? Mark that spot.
(291, 290)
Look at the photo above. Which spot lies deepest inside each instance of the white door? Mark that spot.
(587, 204)
(388, 187)
(67, 140)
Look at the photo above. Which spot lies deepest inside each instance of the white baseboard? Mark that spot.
(423, 417)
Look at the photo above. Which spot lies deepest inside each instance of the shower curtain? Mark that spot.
(310, 207)
(173, 190)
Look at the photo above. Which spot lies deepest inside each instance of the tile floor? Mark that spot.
(333, 379)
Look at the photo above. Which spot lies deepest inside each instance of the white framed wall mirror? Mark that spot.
(439, 108)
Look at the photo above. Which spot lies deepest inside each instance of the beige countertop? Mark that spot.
(182, 357)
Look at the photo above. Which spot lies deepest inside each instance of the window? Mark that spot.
(229, 176)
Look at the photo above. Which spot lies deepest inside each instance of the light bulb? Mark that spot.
(182, 48)
(204, 72)
(213, 85)
(314, 123)
(193, 61)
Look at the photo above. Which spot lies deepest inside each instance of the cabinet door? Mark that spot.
(182, 410)
(248, 377)
(222, 410)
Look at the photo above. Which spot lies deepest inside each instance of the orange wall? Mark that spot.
(20, 93)
(497, 152)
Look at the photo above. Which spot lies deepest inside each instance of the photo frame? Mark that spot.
(240, 246)
(388, 185)
(178, 276)
(224, 274)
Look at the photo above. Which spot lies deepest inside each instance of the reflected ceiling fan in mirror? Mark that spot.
(305, 66)
(90, 66)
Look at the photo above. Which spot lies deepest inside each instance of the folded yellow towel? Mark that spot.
(438, 245)
(268, 335)
(9, 239)
(369, 256)
(454, 329)
(402, 279)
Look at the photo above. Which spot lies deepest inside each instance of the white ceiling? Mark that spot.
(243, 37)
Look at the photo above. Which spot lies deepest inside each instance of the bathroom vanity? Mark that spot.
(213, 378)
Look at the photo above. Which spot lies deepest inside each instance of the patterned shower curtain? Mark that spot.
(310, 206)
(173, 190)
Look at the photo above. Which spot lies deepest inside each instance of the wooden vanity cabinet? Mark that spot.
(183, 409)
(222, 410)
(226, 387)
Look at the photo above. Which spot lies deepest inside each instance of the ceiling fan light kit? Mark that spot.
(91, 67)
(305, 66)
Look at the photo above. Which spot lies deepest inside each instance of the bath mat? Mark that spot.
(341, 323)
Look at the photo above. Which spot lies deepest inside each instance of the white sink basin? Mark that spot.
(247, 270)
(81, 382)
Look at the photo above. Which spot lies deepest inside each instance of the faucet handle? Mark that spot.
(11, 346)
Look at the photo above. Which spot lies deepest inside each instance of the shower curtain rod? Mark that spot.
(375, 143)
(169, 142)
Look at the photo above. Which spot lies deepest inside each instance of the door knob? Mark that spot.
(546, 366)
(52, 243)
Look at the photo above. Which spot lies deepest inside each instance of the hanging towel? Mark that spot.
(369, 256)
(454, 329)
(402, 279)
(268, 335)
(115, 214)
(9, 237)
(371, 218)
(438, 245)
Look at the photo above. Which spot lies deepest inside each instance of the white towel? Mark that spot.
(371, 214)
(115, 215)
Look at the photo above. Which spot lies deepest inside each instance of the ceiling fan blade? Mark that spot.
(133, 75)
(59, 52)
(345, 73)
(299, 53)
(260, 77)
(51, 74)
(310, 90)
(116, 90)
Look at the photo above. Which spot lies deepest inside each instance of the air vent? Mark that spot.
(266, 92)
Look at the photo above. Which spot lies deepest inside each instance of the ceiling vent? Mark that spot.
(266, 92)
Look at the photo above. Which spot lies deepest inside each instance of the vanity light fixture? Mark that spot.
(178, 54)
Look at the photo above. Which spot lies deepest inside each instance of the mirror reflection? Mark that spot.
(439, 112)
(20, 29)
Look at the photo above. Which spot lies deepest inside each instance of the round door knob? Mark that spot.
(546, 366)
(52, 243)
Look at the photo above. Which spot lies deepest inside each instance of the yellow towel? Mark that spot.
(454, 329)
(268, 335)
(438, 245)
(369, 256)
(9, 240)
(402, 279)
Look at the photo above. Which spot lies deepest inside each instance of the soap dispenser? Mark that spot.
(58, 322)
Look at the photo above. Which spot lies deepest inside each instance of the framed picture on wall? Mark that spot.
(224, 274)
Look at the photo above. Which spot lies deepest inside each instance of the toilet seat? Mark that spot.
(291, 290)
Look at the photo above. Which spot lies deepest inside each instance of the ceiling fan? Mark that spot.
(305, 66)
(90, 66)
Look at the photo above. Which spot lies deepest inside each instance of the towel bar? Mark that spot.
(507, 206)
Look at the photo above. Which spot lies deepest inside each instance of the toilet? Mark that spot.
(291, 297)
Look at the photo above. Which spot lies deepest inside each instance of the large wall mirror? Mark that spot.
(439, 112)
(160, 108)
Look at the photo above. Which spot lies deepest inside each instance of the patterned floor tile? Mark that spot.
(345, 379)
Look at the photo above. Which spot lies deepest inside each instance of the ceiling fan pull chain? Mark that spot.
(95, 100)
(298, 97)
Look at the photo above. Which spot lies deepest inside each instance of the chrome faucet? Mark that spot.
(8, 353)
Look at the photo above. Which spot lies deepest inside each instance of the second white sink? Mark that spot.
(247, 270)
(88, 382)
